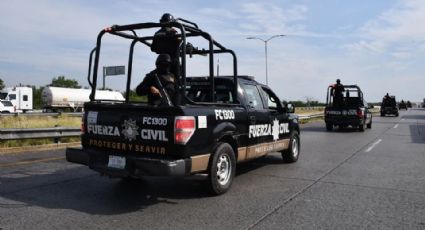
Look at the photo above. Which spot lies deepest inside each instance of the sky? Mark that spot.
(378, 45)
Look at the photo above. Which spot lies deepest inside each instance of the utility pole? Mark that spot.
(265, 50)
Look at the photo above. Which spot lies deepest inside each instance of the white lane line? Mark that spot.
(373, 145)
(402, 119)
(395, 126)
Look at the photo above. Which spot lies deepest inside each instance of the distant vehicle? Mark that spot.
(423, 103)
(402, 105)
(409, 104)
(353, 112)
(6, 107)
(20, 96)
(61, 99)
(389, 106)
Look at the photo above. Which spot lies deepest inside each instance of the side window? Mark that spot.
(12, 96)
(25, 97)
(253, 96)
(272, 100)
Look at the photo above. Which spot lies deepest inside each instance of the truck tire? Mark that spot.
(362, 127)
(329, 127)
(222, 169)
(369, 126)
(292, 153)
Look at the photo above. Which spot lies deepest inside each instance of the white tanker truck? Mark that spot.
(61, 99)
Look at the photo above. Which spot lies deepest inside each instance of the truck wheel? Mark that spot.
(222, 169)
(329, 127)
(382, 115)
(369, 126)
(291, 154)
(362, 127)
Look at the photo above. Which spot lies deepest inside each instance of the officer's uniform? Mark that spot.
(168, 81)
(166, 41)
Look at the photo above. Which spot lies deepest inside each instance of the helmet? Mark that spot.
(338, 81)
(163, 59)
(167, 17)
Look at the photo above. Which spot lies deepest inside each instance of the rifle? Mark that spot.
(165, 99)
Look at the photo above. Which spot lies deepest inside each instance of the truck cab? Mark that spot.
(21, 97)
(222, 120)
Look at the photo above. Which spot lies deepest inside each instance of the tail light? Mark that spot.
(184, 127)
(360, 113)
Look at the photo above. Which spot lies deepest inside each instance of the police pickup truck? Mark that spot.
(351, 110)
(221, 121)
(389, 106)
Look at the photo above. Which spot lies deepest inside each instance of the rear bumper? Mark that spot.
(389, 111)
(135, 166)
(344, 121)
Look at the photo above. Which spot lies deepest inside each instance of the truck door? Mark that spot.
(258, 120)
(278, 119)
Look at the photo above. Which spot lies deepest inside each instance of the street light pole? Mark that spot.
(265, 50)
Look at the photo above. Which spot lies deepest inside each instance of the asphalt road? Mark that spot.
(343, 180)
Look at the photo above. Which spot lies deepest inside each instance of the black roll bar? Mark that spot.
(90, 62)
(187, 29)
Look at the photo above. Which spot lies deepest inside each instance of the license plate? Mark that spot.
(116, 162)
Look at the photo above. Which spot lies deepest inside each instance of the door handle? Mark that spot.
(252, 119)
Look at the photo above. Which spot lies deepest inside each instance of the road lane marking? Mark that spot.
(373, 145)
(402, 119)
(30, 162)
(395, 126)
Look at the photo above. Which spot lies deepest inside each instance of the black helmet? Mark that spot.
(166, 18)
(338, 81)
(163, 59)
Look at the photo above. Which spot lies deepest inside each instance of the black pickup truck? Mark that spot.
(389, 106)
(352, 111)
(221, 121)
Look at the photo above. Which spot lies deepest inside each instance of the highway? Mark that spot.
(343, 180)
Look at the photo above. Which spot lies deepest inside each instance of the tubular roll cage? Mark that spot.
(187, 29)
(353, 87)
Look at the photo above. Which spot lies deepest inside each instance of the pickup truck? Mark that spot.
(389, 106)
(222, 121)
(353, 110)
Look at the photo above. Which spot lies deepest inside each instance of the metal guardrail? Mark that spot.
(310, 116)
(56, 132)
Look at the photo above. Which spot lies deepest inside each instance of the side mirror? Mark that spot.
(290, 108)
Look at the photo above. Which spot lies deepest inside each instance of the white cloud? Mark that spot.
(400, 26)
(272, 19)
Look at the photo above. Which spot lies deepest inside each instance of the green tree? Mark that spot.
(1, 84)
(134, 97)
(37, 102)
(61, 81)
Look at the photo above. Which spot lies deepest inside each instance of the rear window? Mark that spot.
(6, 103)
(198, 90)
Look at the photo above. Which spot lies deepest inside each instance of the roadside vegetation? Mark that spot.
(27, 122)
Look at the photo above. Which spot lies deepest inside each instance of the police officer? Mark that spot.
(166, 41)
(337, 93)
(159, 79)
